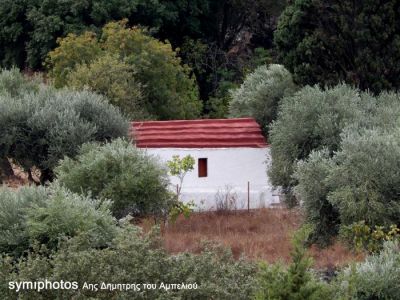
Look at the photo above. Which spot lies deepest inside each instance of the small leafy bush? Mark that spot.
(132, 257)
(67, 214)
(362, 237)
(14, 237)
(260, 94)
(134, 181)
(376, 278)
(45, 215)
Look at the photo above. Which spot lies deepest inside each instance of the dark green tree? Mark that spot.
(29, 28)
(331, 41)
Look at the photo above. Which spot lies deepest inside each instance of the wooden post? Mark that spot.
(248, 196)
(177, 189)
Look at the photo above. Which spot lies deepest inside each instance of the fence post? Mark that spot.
(248, 196)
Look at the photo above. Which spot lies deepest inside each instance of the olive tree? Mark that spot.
(37, 129)
(260, 94)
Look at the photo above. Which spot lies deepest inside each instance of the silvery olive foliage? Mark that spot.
(260, 94)
(39, 215)
(311, 119)
(136, 182)
(40, 126)
(378, 277)
(355, 178)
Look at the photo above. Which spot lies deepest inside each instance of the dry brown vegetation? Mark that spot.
(263, 234)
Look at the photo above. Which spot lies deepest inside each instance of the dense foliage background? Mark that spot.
(320, 77)
(219, 40)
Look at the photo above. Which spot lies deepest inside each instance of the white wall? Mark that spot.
(228, 168)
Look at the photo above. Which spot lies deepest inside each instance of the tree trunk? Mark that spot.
(6, 170)
(30, 177)
(46, 175)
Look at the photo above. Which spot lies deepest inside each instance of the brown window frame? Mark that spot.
(203, 167)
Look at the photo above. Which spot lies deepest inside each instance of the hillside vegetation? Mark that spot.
(320, 77)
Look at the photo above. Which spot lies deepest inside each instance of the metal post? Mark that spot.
(248, 196)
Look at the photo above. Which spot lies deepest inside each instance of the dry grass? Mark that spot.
(263, 234)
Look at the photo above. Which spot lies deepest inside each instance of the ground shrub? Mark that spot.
(14, 83)
(260, 94)
(38, 129)
(14, 237)
(376, 278)
(133, 180)
(67, 214)
(41, 215)
(132, 258)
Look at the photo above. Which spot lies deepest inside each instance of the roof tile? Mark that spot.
(210, 133)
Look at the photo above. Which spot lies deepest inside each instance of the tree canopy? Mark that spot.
(229, 31)
(328, 42)
(169, 89)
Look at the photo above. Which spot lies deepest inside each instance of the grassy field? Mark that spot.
(263, 234)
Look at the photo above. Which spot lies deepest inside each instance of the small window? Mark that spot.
(202, 167)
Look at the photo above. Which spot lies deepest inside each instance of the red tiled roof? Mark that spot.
(211, 133)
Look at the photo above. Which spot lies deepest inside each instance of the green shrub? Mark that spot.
(169, 90)
(67, 214)
(133, 180)
(14, 83)
(14, 237)
(260, 94)
(44, 215)
(360, 236)
(376, 278)
(113, 78)
(297, 282)
(38, 129)
(132, 258)
(312, 119)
